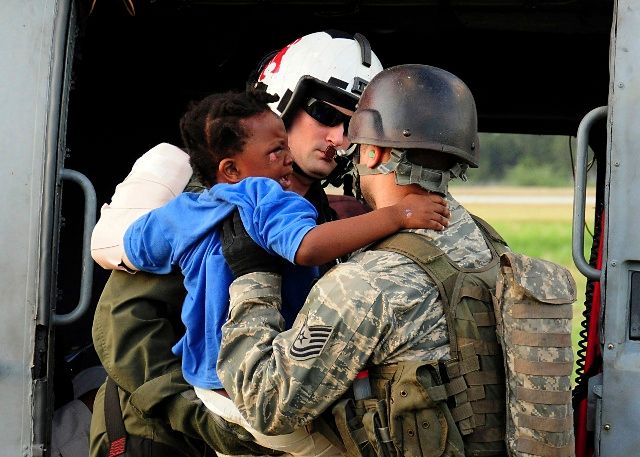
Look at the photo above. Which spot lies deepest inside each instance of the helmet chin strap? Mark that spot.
(298, 170)
(410, 173)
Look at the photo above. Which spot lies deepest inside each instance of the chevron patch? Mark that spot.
(310, 341)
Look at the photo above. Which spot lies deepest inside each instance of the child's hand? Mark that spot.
(423, 211)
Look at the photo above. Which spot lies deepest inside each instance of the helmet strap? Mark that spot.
(356, 183)
(298, 171)
(409, 173)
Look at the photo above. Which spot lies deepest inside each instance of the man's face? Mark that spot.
(316, 127)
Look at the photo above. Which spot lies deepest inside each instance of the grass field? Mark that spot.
(540, 230)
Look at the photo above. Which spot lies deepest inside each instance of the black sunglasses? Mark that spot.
(326, 114)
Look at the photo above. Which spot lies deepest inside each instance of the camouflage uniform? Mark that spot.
(377, 308)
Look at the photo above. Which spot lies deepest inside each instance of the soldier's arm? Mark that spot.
(282, 380)
(136, 323)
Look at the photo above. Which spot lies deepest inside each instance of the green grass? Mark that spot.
(542, 231)
(546, 240)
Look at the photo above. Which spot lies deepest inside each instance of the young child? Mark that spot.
(238, 148)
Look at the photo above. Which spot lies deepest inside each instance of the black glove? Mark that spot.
(344, 165)
(242, 254)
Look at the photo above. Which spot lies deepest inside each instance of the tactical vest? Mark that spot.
(533, 308)
(434, 408)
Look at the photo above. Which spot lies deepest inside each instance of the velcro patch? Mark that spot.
(310, 341)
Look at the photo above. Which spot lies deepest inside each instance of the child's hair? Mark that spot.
(211, 129)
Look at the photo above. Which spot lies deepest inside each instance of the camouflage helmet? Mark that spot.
(418, 107)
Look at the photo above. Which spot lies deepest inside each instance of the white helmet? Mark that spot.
(332, 66)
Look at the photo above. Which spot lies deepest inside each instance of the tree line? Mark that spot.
(524, 160)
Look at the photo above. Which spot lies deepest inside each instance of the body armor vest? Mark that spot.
(452, 407)
(512, 316)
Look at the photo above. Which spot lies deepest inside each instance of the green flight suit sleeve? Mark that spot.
(136, 323)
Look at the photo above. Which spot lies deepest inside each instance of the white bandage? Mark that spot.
(156, 177)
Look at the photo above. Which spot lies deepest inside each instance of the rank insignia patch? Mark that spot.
(310, 341)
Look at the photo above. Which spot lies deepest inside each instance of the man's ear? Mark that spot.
(227, 171)
(373, 155)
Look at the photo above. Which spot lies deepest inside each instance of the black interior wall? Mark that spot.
(531, 71)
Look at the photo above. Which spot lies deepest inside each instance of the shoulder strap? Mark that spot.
(426, 254)
(491, 235)
(116, 432)
(435, 263)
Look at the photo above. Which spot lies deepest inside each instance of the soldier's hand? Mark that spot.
(423, 210)
(242, 254)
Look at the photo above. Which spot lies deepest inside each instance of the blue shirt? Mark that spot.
(184, 233)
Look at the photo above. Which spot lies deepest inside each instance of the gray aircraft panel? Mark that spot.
(620, 420)
(26, 51)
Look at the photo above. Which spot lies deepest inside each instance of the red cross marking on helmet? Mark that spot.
(276, 61)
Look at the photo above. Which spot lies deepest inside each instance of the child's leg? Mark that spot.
(300, 443)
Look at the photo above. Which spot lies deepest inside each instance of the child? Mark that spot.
(237, 143)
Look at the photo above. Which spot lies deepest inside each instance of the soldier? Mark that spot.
(319, 78)
(409, 323)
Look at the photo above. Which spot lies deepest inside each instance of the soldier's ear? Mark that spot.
(373, 155)
(228, 171)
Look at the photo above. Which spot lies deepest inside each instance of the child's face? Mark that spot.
(266, 152)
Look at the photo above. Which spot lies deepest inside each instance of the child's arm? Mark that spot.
(332, 240)
(152, 242)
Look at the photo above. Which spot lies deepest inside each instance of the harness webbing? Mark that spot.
(116, 432)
